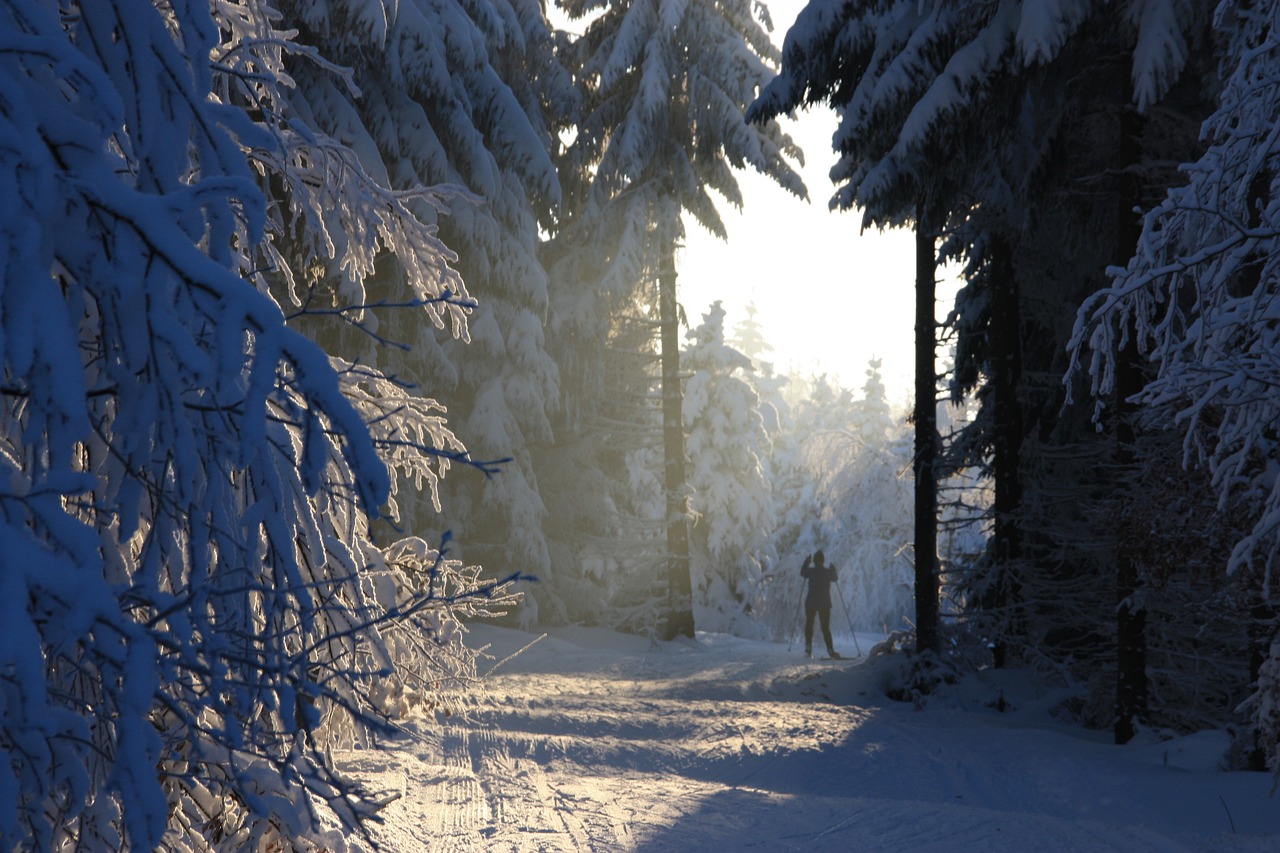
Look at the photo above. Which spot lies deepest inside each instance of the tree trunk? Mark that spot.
(926, 445)
(679, 581)
(1006, 356)
(1131, 611)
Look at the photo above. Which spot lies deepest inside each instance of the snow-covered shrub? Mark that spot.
(190, 594)
(904, 676)
(1266, 712)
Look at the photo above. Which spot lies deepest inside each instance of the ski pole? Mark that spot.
(849, 619)
(795, 623)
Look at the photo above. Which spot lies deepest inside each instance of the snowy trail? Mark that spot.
(591, 741)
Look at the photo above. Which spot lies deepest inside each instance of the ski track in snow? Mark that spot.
(591, 741)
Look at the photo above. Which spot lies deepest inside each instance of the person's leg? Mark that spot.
(809, 613)
(824, 615)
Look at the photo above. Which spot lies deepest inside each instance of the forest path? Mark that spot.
(596, 742)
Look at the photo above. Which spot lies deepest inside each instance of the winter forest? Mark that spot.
(354, 324)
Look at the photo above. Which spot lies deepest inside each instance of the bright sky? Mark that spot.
(828, 298)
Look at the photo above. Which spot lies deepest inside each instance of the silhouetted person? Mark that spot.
(818, 600)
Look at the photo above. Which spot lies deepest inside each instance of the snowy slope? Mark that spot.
(590, 740)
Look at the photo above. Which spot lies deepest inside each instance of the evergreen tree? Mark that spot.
(1200, 297)
(1011, 109)
(731, 497)
(749, 339)
(664, 88)
(194, 606)
(459, 94)
(604, 472)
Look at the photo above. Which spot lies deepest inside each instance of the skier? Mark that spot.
(818, 600)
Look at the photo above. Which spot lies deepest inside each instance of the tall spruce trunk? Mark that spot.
(1006, 356)
(926, 440)
(1131, 612)
(679, 580)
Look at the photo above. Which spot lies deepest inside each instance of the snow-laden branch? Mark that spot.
(191, 598)
(1201, 297)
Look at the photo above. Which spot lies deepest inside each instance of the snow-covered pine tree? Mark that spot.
(978, 96)
(192, 601)
(471, 95)
(1201, 295)
(911, 79)
(664, 88)
(748, 338)
(604, 473)
(731, 502)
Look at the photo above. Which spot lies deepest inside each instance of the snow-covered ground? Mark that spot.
(590, 740)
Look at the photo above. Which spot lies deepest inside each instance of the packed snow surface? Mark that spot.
(591, 740)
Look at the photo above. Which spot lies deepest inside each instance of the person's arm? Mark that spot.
(804, 567)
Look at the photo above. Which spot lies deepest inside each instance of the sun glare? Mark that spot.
(829, 299)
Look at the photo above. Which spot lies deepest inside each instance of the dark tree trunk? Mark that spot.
(926, 445)
(679, 581)
(1131, 612)
(1006, 379)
